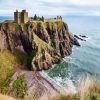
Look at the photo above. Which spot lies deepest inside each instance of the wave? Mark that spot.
(67, 85)
(60, 84)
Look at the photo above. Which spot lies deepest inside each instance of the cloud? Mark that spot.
(52, 7)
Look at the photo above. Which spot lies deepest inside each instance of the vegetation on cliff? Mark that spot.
(19, 87)
(8, 64)
(46, 43)
(35, 45)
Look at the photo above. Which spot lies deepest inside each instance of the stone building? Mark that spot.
(21, 17)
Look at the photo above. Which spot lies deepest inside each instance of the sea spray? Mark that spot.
(66, 86)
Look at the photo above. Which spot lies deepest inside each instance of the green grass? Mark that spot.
(40, 43)
(20, 57)
(19, 87)
(1, 63)
(4, 82)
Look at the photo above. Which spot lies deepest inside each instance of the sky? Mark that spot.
(51, 7)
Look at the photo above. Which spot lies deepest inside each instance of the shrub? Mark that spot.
(42, 18)
(19, 87)
(93, 93)
(4, 82)
(21, 57)
(35, 17)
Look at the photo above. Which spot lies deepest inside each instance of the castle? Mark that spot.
(21, 17)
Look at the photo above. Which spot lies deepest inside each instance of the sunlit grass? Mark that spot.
(8, 64)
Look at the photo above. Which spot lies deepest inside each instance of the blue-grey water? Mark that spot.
(84, 60)
(3, 18)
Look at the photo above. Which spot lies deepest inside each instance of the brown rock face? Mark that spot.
(45, 43)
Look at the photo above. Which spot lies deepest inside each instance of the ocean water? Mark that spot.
(3, 18)
(84, 61)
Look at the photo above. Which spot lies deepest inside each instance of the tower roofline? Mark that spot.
(24, 10)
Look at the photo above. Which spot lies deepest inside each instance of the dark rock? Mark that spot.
(79, 38)
(76, 42)
(83, 36)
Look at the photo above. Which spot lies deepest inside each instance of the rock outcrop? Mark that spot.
(80, 37)
(45, 43)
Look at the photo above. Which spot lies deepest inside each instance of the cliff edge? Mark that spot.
(44, 43)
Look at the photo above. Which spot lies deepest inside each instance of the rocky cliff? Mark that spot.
(44, 43)
(35, 45)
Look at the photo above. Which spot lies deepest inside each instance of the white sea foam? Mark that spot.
(60, 84)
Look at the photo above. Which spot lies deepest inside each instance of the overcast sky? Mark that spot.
(51, 7)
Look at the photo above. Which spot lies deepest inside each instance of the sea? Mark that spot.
(84, 61)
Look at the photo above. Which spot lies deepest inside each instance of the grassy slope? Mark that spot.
(8, 63)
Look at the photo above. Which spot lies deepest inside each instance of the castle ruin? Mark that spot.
(21, 17)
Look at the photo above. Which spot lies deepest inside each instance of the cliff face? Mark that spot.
(45, 43)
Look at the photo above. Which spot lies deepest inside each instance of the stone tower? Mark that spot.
(17, 16)
(24, 16)
(21, 17)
